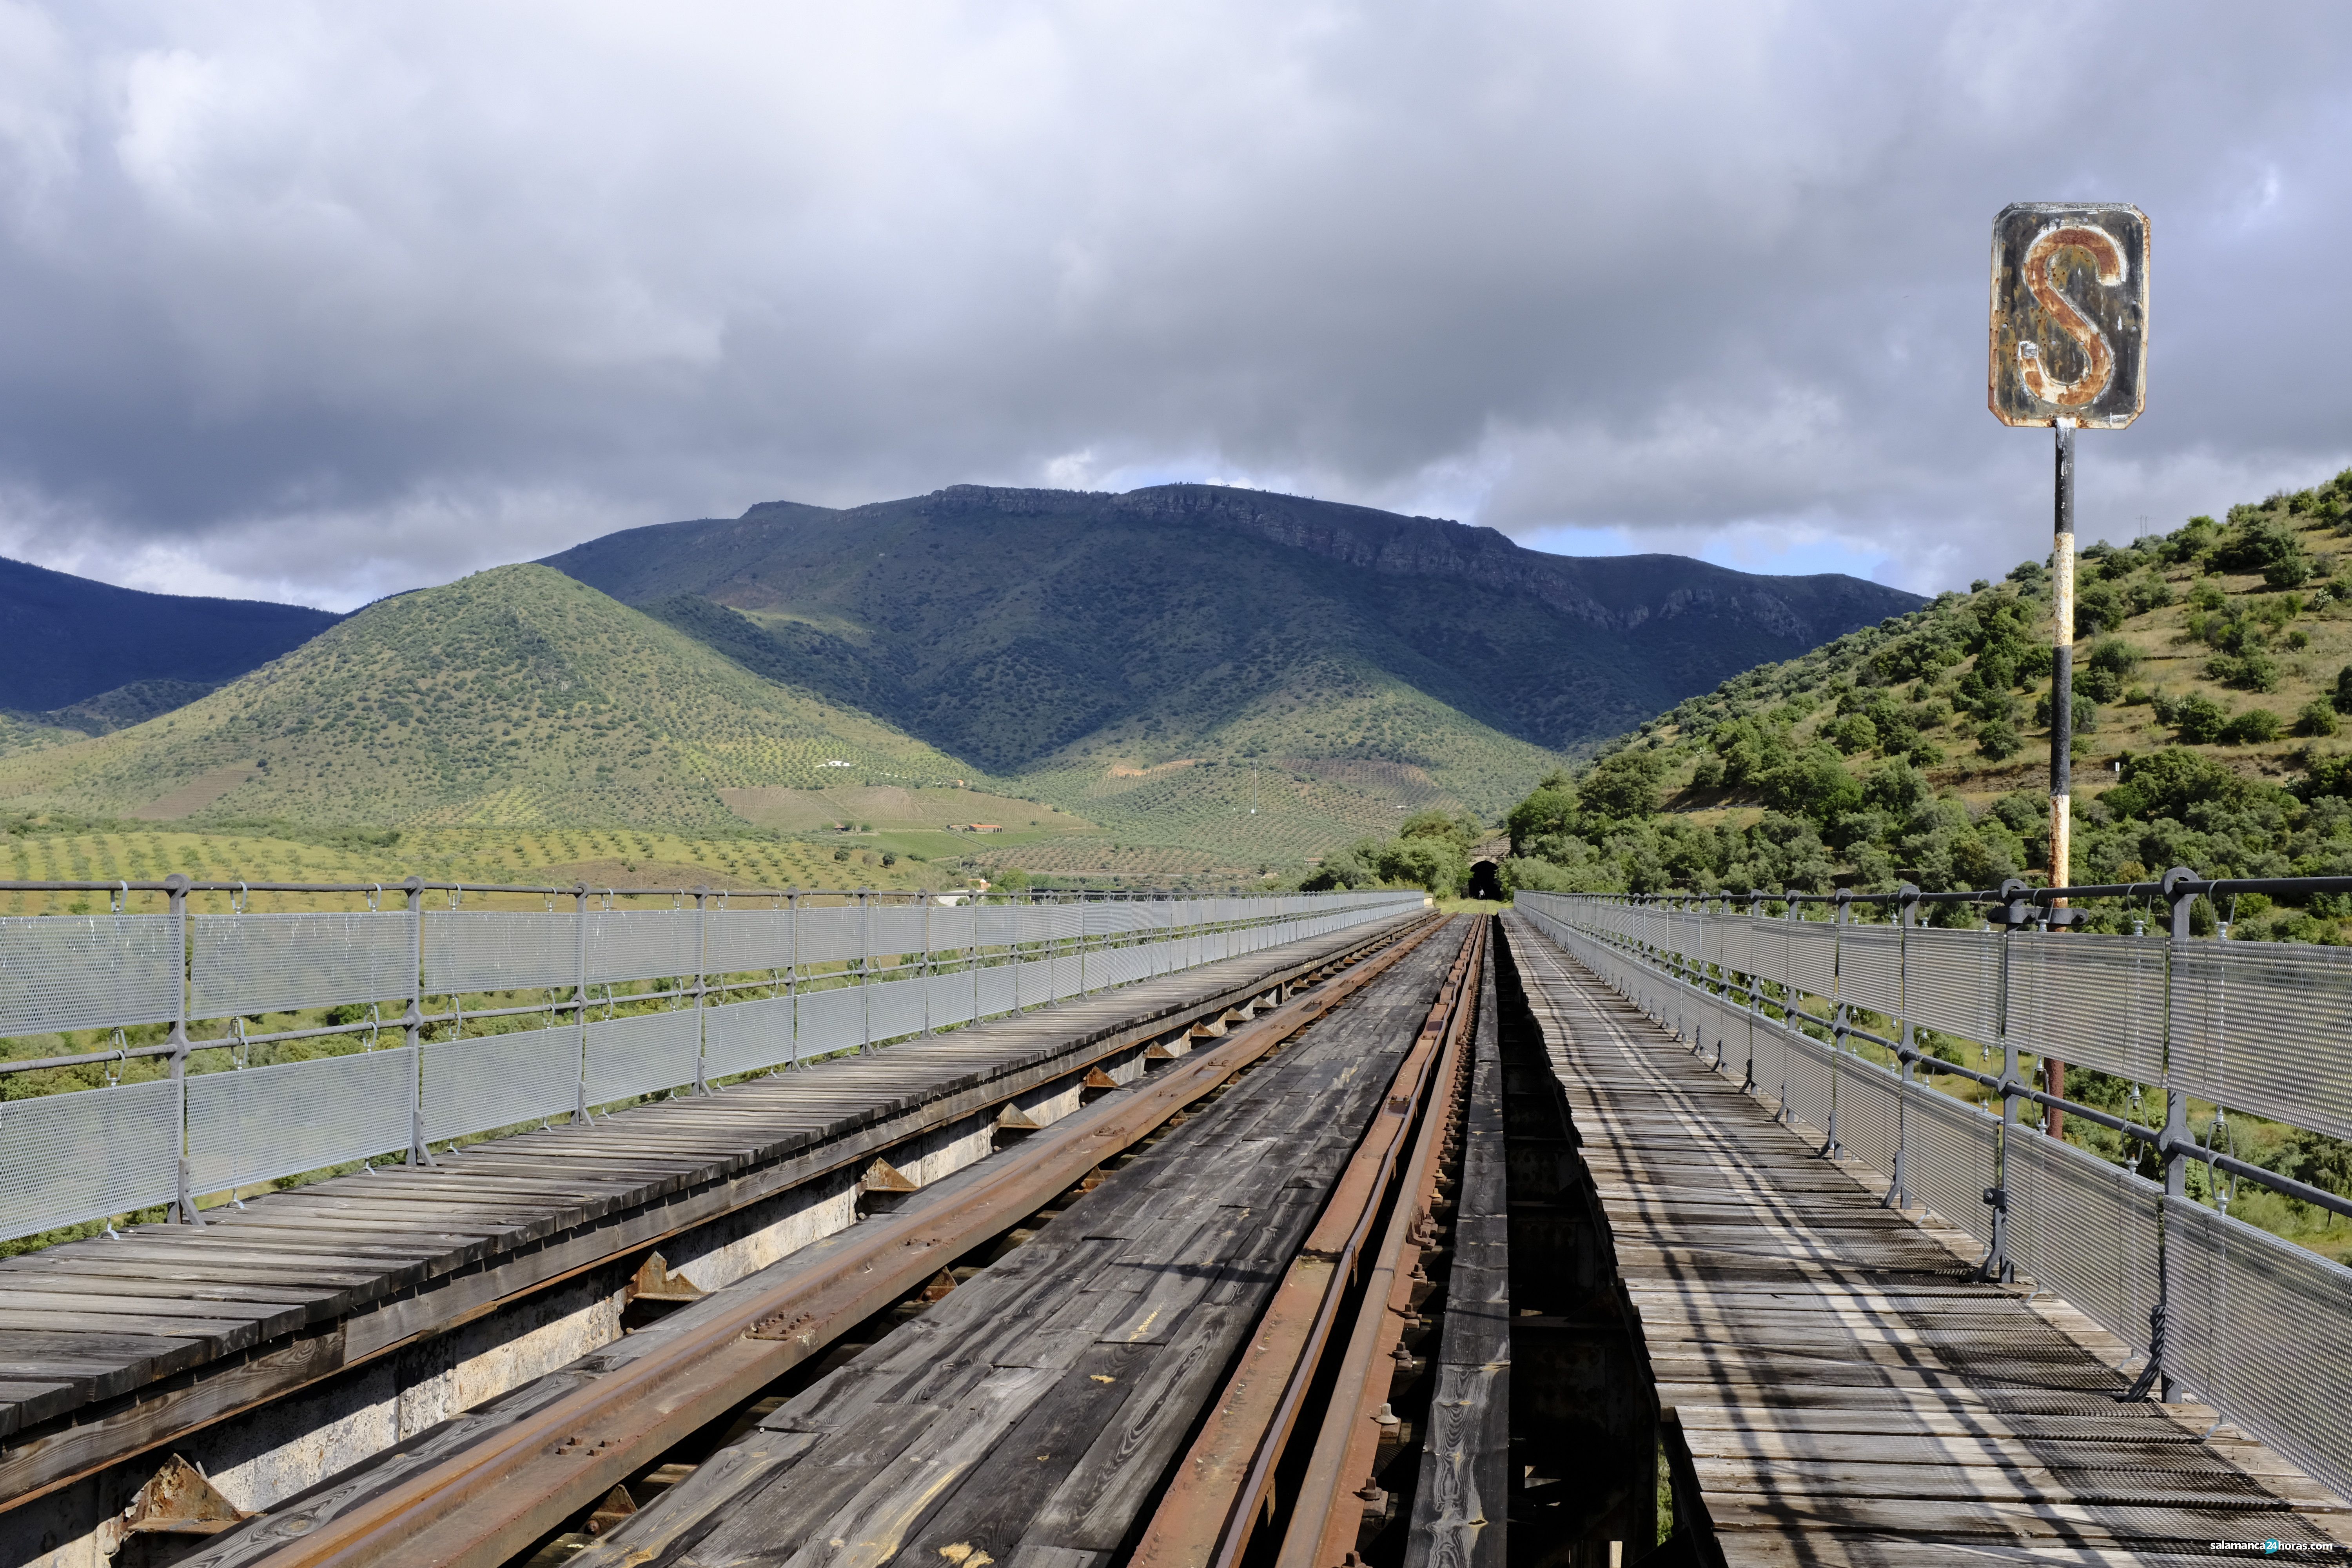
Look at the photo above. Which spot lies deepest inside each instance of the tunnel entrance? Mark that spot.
(1484, 883)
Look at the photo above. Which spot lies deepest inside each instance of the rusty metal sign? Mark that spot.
(2069, 315)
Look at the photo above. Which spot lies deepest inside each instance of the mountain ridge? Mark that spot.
(1034, 631)
(47, 621)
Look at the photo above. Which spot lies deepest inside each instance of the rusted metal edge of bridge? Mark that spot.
(1833, 1385)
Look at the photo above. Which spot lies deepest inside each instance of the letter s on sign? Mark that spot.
(2042, 274)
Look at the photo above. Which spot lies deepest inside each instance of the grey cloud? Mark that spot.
(322, 301)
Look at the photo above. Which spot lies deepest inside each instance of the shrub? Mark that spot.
(2342, 697)
(2252, 727)
(1924, 755)
(2288, 571)
(2316, 716)
(2190, 540)
(1997, 740)
(2099, 607)
(2251, 671)
(2168, 782)
(2113, 655)
(2149, 592)
(2098, 685)
(2256, 543)
(2206, 595)
(2086, 713)
(2198, 718)
(1853, 732)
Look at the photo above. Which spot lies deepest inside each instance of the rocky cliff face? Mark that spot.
(1617, 592)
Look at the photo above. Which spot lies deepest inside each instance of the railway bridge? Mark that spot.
(669, 1227)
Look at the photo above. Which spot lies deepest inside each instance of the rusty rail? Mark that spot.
(482, 1506)
(1223, 1493)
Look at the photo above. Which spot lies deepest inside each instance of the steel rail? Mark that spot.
(481, 1507)
(1323, 1530)
(1213, 1503)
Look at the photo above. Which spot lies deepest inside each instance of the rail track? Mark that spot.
(642, 1452)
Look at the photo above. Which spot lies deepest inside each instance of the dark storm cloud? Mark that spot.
(324, 300)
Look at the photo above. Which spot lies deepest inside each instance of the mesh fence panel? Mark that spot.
(953, 927)
(1954, 981)
(87, 971)
(747, 940)
(500, 1080)
(2094, 1000)
(894, 928)
(894, 1008)
(1949, 1163)
(951, 999)
(281, 962)
(2262, 1027)
(1035, 980)
(2086, 1230)
(643, 945)
(1069, 979)
(831, 1020)
(500, 950)
(256, 1124)
(1867, 1128)
(744, 1037)
(1808, 1100)
(641, 1054)
(1869, 970)
(2263, 1329)
(829, 933)
(1812, 956)
(67, 1158)
(1739, 935)
(998, 991)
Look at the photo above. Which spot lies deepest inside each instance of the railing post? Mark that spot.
(579, 1001)
(1788, 990)
(1907, 899)
(793, 971)
(923, 968)
(1755, 984)
(864, 966)
(1830, 1149)
(412, 1023)
(2157, 1376)
(2013, 911)
(184, 1197)
(701, 983)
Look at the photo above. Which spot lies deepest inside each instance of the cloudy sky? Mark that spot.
(322, 300)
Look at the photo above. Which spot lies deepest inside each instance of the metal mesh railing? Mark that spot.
(403, 1027)
(2227, 1312)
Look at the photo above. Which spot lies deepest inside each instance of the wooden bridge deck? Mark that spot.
(1848, 1394)
(1031, 1415)
(108, 1347)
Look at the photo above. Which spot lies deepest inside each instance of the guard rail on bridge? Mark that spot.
(400, 1060)
(2223, 1312)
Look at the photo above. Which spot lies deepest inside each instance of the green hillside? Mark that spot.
(2213, 682)
(2211, 666)
(514, 698)
(1069, 640)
